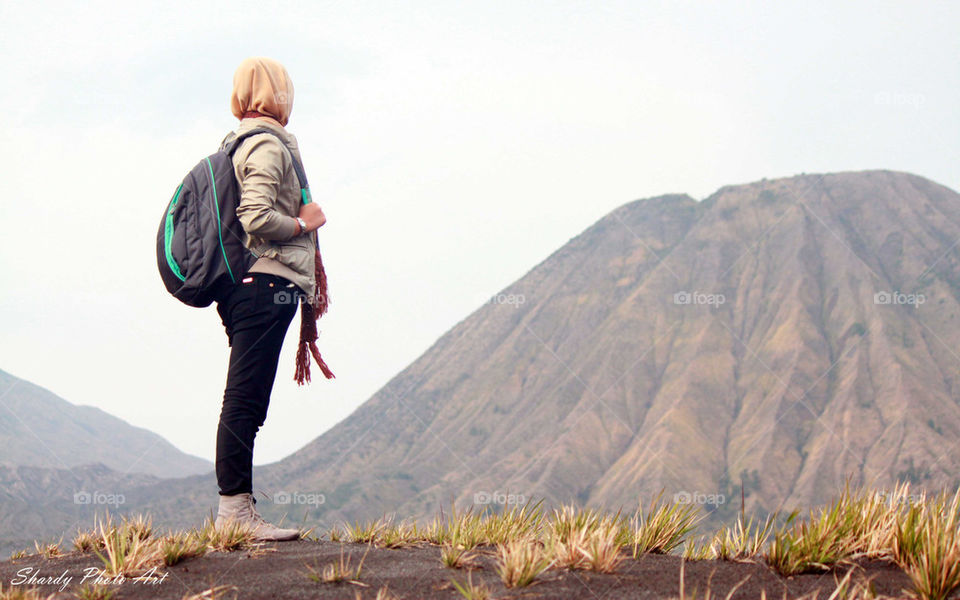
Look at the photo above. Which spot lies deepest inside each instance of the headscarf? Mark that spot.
(262, 85)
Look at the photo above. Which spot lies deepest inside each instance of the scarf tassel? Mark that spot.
(310, 312)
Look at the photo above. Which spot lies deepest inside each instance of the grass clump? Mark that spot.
(519, 562)
(396, 536)
(928, 547)
(662, 528)
(857, 524)
(17, 592)
(470, 590)
(48, 550)
(698, 549)
(366, 532)
(583, 538)
(86, 541)
(339, 571)
(231, 536)
(123, 549)
(464, 529)
(519, 522)
(454, 556)
(95, 592)
(601, 550)
(180, 546)
(743, 541)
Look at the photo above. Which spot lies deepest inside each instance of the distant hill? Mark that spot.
(40, 429)
(42, 504)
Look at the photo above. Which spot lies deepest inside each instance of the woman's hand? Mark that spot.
(313, 216)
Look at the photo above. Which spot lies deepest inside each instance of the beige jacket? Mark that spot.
(270, 201)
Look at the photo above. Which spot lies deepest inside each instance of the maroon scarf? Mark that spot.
(310, 312)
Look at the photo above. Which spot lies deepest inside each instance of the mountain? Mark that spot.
(787, 334)
(43, 504)
(40, 429)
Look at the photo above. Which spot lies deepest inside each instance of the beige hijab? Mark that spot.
(262, 85)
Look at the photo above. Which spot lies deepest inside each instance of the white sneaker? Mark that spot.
(240, 509)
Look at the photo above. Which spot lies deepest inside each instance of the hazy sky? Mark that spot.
(453, 145)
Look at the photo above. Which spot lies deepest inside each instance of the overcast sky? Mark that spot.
(453, 145)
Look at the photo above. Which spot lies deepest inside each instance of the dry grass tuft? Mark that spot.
(95, 592)
(472, 591)
(48, 550)
(662, 528)
(232, 536)
(86, 540)
(364, 533)
(743, 541)
(519, 562)
(180, 546)
(454, 556)
(928, 547)
(340, 571)
(858, 523)
(17, 592)
(584, 539)
(124, 551)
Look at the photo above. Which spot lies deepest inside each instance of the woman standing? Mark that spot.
(257, 311)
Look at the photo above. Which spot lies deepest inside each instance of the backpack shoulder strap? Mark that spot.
(232, 146)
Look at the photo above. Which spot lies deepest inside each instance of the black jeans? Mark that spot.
(256, 314)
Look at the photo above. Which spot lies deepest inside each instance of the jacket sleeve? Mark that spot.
(259, 173)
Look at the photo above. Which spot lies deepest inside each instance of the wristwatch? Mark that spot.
(303, 225)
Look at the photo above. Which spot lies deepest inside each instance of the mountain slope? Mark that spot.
(622, 373)
(41, 504)
(40, 429)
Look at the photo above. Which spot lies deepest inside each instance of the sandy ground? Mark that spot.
(279, 571)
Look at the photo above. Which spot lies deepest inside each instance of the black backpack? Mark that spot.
(200, 249)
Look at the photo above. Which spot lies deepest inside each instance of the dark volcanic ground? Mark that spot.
(278, 571)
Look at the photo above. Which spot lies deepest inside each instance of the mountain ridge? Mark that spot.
(40, 429)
